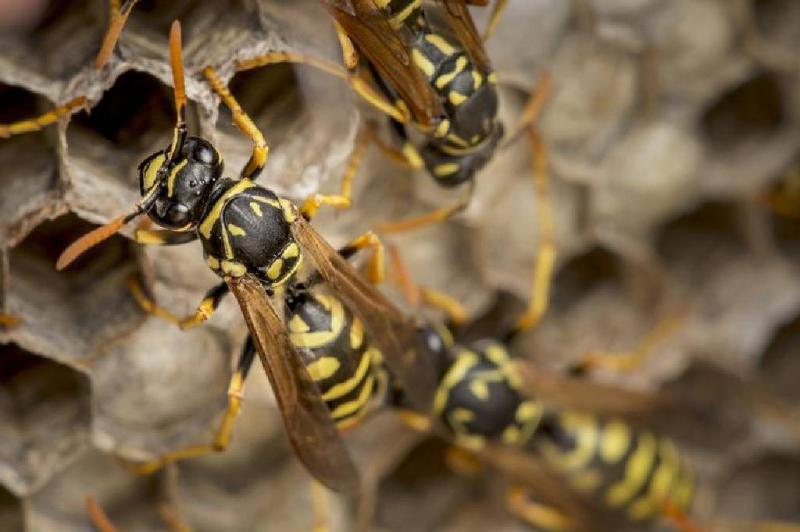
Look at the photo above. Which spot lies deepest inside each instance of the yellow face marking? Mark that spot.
(445, 79)
(256, 208)
(213, 262)
(151, 172)
(584, 430)
(298, 325)
(291, 251)
(232, 268)
(422, 62)
(323, 368)
(150, 237)
(275, 269)
(347, 386)
(477, 80)
(356, 333)
(209, 221)
(465, 361)
(356, 404)
(615, 442)
(173, 175)
(445, 169)
(235, 230)
(637, 470)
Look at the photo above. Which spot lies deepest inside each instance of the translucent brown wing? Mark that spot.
(310, 428)
(460, 20)
(388, 50)
(391, 331)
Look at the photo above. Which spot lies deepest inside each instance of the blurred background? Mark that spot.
(672, 127)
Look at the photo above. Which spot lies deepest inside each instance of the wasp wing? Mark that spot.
(394, 333)
(460, 21)
(387, 49)
(310, 428)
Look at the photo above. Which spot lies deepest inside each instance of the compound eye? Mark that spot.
(204, 153)
(178, 214)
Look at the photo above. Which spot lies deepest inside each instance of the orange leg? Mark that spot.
(42, 121)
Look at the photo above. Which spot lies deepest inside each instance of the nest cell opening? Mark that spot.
(779, 363)
(752, 110)
(583, 273)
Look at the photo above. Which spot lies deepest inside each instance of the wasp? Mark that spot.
(255, 241)
(425, 72)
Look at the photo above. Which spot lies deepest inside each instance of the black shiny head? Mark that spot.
(183, 183)
(450, 166)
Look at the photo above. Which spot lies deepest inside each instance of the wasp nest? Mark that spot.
(666, 123)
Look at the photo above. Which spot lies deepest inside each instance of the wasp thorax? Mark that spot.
(184, 183)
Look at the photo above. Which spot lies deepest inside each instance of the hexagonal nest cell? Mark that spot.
(667, 126)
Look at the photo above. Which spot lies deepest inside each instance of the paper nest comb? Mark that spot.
(667, 120)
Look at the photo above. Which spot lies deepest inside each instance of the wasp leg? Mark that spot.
(538, 515)
(494, 19)
(342, 200)
(204, 311)
(438, 215)
(633, 359)
(118, 16)
(42, 121)
(376, 266)
(320, 504)
(223, 435)
(359, 84)
(97, 515)
(463, 462)
(9, 320)
(546, 249)
(258, 159)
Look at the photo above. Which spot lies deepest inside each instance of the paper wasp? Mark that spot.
(425, 68)
(256, 240)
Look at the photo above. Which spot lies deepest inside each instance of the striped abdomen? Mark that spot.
(338, 355)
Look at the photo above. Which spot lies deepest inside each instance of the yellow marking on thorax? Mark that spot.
(445, 169)
(213, 262)
(256, 208)
(442, 129)
(272, 202)
(298, 325)
(356, 404)
(289, 212)
(614, 442)
(455, 139)
(275, 269)
(151, 172)
(464, 362)
(637, 470)
(497, 354)
(173, 175)
(235, 230)
(584, 430)
(291, 251)
(422, 62)
(445, 79)
(458, 420)
(347, 386)
(412, 155)
(208, 223)
(440, 43)
(528, 415)
(456, 98)
(356, 333)
(323, 368)
(233, 268)
(477, 80)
